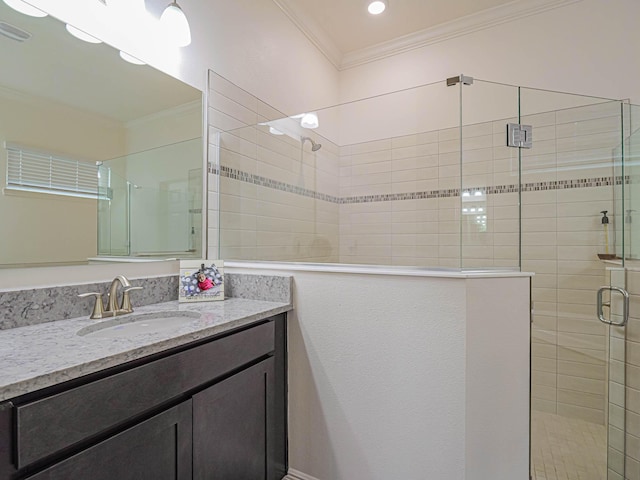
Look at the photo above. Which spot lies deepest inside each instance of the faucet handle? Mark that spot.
(126, 301)
(98, 306)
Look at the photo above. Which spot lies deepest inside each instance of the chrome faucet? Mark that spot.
(112, 309)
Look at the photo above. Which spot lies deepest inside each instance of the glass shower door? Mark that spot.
(570, 177)
(624, 342)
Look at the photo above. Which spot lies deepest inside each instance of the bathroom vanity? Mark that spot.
(204, 400)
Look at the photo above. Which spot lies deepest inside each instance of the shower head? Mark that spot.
(314, 146)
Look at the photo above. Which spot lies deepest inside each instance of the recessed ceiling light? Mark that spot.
(24, 7)
(377, 7)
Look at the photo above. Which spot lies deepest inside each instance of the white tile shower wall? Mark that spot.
(419, 219)
(561, 237)
(276, 197)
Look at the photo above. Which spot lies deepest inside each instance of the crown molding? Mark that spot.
(455, 28)
(429, 36)
(312, 30)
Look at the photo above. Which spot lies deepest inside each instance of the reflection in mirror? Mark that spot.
(69, 107)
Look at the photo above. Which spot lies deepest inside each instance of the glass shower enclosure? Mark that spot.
(425, 178)
(150, 203)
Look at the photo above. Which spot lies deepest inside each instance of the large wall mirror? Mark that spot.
(100, 159)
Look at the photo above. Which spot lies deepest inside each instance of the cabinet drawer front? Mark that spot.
(46, 426)
(156, 449)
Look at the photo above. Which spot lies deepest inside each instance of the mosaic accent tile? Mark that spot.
(246, 177)
(259, 180)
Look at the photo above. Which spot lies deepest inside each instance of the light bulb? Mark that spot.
(175, 24)
(309, 120)
(130, 59)
(377, 7)
(23, 7)
(79, 34)
(275, 131)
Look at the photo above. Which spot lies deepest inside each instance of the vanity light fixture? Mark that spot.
(131, 59)
(79, 34)
(175, 23)
(25, 8)
(377, 7)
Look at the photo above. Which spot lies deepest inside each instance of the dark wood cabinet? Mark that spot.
(156, 449)
(212, 410)
(233, 427)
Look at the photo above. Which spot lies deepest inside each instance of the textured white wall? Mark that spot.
(497, 374)
(377, 377)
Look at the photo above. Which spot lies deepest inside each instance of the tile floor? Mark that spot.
(567, 448)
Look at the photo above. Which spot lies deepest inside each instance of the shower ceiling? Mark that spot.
(344, 31)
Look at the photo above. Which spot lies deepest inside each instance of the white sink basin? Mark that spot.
(130, 325)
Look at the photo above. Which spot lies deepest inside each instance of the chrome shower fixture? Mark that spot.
(314, 146)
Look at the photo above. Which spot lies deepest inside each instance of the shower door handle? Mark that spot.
(625, 306)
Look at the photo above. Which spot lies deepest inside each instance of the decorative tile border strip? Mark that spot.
(239, 175)
(579, 183)
(235, 174)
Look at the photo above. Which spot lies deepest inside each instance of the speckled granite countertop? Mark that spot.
(38, 356)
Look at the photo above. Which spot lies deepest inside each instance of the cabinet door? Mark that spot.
(156, 449)
(233, 427)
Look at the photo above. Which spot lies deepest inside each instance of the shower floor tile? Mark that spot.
(567, 448)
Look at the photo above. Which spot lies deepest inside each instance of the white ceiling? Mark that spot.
(351, 27)
(348, 35)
